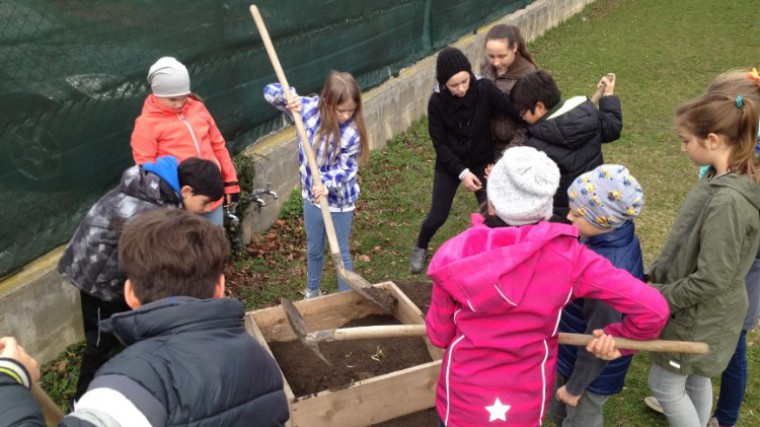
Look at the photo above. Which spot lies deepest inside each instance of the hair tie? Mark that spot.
(754, 75)
(739, 101)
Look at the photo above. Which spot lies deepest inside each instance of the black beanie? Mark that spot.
(450, 61)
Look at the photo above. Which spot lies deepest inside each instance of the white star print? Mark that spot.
(498, 411)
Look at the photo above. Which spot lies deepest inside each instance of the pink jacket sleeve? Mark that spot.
(645, 310)
(440, 318)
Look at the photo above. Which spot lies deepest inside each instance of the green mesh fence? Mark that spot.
(72, 82)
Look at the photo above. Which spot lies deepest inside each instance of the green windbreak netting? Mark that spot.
(72, 82)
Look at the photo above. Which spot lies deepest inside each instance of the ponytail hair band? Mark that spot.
(739, 101)
(754, 75)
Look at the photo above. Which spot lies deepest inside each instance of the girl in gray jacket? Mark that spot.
(711, 247)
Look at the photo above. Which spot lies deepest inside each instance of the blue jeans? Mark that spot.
(733, 384)
(686, 400)
(316, 239)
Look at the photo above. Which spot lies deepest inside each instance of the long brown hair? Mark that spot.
(339, 88)
(733, 117)
(512, 35)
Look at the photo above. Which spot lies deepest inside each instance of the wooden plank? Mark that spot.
(370, 401)
(325, 312)
(254, 331)
(408, 313)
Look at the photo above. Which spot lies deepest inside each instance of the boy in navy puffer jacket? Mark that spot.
(603, 204)
(189, 360)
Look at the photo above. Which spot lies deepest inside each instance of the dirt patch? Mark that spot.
(352, 360)
(358, 360)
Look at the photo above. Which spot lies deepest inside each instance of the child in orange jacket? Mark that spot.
(175, 122)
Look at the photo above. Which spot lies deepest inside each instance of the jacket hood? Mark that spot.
(166, 167)
(151, 106)
(571, 123)
(519, 68)
(742, 184)
(150, 186)
(617, 237)
(486, 268)
(173, 314)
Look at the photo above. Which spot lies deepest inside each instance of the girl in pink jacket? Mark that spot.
(498, 294)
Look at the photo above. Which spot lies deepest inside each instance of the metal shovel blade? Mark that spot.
(298, 324)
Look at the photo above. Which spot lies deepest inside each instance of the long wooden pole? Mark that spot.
(52, 413)
(384, 331)
(381, 297)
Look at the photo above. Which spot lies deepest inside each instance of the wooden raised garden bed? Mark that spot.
(359, 403)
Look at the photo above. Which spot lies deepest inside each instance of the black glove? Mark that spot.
(232, 199)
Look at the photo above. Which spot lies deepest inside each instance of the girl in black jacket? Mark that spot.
(459, 115)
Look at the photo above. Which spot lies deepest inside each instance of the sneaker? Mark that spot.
(417, 263)
(653, 404)
(312, 293)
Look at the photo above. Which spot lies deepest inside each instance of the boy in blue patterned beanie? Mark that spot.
(603, 204)
(606, 197)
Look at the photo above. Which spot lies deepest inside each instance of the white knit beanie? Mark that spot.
(521, 186)
(168, 77)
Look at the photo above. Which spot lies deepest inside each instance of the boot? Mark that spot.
(312, 293)
(417, 262)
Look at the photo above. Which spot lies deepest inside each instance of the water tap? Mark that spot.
(256, 195)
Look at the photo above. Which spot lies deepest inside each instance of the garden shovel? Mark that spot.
(379, 296)
(50, 411)
(598, 94)
(312, 339)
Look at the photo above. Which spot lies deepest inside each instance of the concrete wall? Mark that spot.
(42, 311)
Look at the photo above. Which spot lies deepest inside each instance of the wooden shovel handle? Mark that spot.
(52, 413)
(598, 94)
(379, 296)
(384, 331)
(329, 228)
(366, 333)
(660, 346)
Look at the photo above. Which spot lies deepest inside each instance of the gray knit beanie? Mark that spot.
(521, 186)
(168, 78)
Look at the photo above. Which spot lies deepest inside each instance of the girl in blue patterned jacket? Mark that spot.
(335, 128)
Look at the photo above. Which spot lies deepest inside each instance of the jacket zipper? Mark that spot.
(181, 117)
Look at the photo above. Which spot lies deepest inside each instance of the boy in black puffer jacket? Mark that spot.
(91, 261)
(570, 132)
(189, 360)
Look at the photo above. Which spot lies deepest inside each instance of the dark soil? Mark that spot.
(352, 360)
(358, 360)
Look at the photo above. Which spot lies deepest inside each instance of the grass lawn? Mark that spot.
(664, 52)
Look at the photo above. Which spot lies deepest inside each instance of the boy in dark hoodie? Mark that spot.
(91, 260)
(570, 132)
